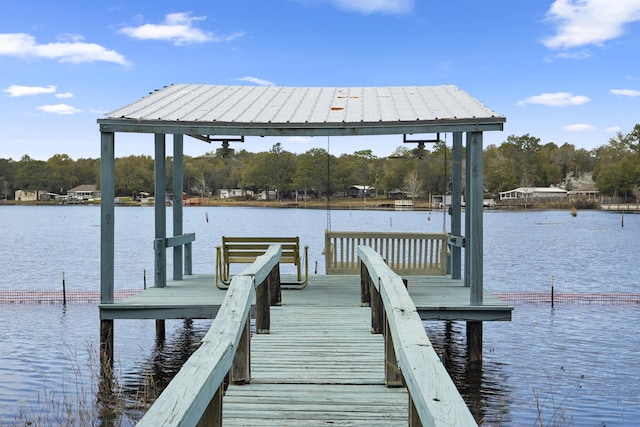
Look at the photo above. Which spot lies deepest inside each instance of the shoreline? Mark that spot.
(348, 204)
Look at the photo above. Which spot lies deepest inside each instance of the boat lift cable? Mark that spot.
(446, 186)
(328, 183)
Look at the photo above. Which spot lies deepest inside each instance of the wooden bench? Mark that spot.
(244, 250)
(408, 254)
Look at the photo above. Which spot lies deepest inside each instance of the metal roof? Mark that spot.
(308, 111)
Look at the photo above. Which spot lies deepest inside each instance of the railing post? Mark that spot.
(212, 416)
(263, 312)
(414, 418)
(444, 256)
(241, 368)
(160, 265)
(377, 310)
(392, 374)
(273, 283)
(365, 296)
(188, 270)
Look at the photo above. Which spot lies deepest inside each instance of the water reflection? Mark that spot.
(142, 384)
(483, 385)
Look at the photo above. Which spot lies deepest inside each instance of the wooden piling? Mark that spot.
(161, 330)
(64, 291)
(106, 347)
(474, 341)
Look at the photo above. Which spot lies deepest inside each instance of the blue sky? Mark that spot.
(562, 71)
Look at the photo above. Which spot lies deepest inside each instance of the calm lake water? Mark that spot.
(575, 364)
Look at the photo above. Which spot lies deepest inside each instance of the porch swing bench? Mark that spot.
(245, 250)
(408, 254)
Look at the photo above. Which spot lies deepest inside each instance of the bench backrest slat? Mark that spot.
(405, 253)
(247, 249)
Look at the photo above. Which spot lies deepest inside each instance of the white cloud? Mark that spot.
(255, 80)
(18, 90)
(177, 28)
(64, 95)
(558, 99)
(589, 22)
(367, 6)
(625, 92)
(23, 45)
(613, 129)
(59, 109)
(578, 127)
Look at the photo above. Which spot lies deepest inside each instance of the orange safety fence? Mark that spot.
(531, 297)
(547, 297)
(57, 296)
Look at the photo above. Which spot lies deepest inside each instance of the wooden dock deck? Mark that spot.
(318, 366)
(435, 297)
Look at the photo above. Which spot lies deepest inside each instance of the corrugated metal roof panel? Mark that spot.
(305, 105)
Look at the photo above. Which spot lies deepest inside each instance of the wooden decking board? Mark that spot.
(310, 372)
(436, 298)
(320, 365)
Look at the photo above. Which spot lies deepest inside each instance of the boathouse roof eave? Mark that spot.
(297, 129)
(303, 111)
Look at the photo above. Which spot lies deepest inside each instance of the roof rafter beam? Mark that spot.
(209, 139)
(328, 129)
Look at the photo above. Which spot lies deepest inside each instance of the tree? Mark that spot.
(61, 170)
(31, 174)
(88, 171)
(396, 168)
(522, 154)
(272, 170)
(312, 171)
(498, 171)
(134, 174)
(201, 187)
(549, 169)
(413, 185)
(617, 171)
(7, 177)
(282, 165)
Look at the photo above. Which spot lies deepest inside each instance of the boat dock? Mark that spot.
(320, 363)
(196, 297)
(327, 311)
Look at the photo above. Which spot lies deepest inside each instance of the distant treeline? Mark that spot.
(520, 161)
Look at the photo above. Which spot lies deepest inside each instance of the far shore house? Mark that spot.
(267, 195)
(33, 195)
(361, 191)
(83, 192)
(231, 193)
(587, 191)
(529, 193)
(396, 194)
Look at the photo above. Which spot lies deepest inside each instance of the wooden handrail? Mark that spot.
(194, 396)
(409, 355)
(177, 242)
